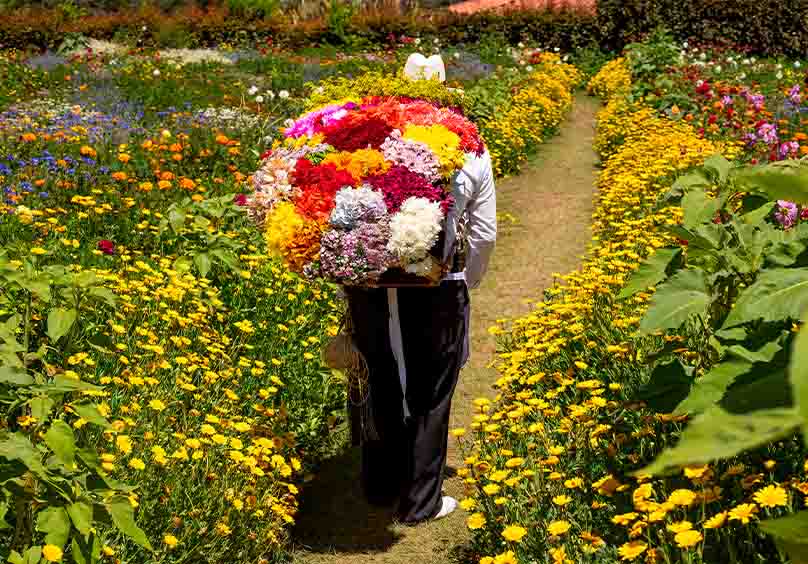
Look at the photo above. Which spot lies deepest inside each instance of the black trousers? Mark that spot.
(406, 462)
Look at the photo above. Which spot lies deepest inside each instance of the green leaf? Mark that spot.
(16, 446)
(757, 216)
(791, 528)
(85, 552)
(81, 514)
(764, 387)
(709, 389)
(124, 518)
(778, 294)
(15, 558)
(183, 264)
(40, 288)
(228, 258)
(778, 181)
(716, 434)
(105, 294)
(668, 385)
(650, 272)
(683, 295)
(41, 407)
(176, 218)
(62, 384)
(61, 441)
(699, 208)
(202, 262)
(798, 372)
(55, 523)
(736, 334)
(719, 166)
(9, 375)
(90, 413)
(60, 320)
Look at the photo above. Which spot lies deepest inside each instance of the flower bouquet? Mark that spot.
(360, 191)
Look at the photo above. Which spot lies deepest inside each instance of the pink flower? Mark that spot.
(240, 199)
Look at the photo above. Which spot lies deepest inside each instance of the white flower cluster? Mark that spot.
(189, 56)
(414, 229)
(353, 205)
(231, 118)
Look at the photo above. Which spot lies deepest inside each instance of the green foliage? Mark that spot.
(649, 59)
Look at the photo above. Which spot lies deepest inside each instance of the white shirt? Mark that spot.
(475, 198)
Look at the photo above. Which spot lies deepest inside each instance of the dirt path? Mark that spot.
(551, 203)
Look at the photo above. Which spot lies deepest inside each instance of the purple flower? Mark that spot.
(357, 255)
(794, 94)
(727, 100)
(788, 148)
(786, 213)
(768, 133)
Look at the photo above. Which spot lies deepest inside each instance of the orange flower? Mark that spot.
(119, 175)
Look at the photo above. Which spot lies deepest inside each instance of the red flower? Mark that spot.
(712, 119)
(240, 199)
(703, 88)
(319, 185)
(357, 131)
(400, 183)
(106, 246)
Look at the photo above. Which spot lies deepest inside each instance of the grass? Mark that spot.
(551, 204)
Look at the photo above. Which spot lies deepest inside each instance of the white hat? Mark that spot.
(419, 67)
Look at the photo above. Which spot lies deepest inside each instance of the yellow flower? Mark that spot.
(716, 520)
(557, 528)
(771, 496)
(52, 553)
(682, 497)
(696, 471)
(457, 433)
(514, 533)
(624, 519)
(137, 464)
(680, 526)
(631, 550)
(514, 462)
(468, 504)
(506, 558)
(743, 513)
(689, 538)
(491, 489)
(170, 541)
(39, 251)
(562, 500)
(157, 405)
(476, 521)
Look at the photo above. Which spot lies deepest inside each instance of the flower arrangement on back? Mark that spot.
(360, 189)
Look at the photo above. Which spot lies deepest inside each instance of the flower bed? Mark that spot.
(161, 373)
(583, 404)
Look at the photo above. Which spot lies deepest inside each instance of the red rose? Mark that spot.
(106, 246)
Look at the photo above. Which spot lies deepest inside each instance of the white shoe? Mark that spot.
(448, 505)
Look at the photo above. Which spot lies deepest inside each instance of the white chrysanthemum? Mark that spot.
(415, 229)
(354, 204)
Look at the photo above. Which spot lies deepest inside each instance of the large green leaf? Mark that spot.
(699, 208)
(124, 518)
(668, 385)
(89, 412)
(16, 446)
(683, 295)
(779, 181)
(719, 166)
(88, 552)
(55, 523)
(709, 389)
(41, 407)
(81, 514)
(202, 262)
(716, 434)
(798, 371)
(778, 294)
(14, 377)
(651, 272)
(790, 533)
(61, 441)
(60, 320)
(757, 215)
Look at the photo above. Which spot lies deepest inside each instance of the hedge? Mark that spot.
(768, 27)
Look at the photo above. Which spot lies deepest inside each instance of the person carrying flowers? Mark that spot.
(392, 197)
